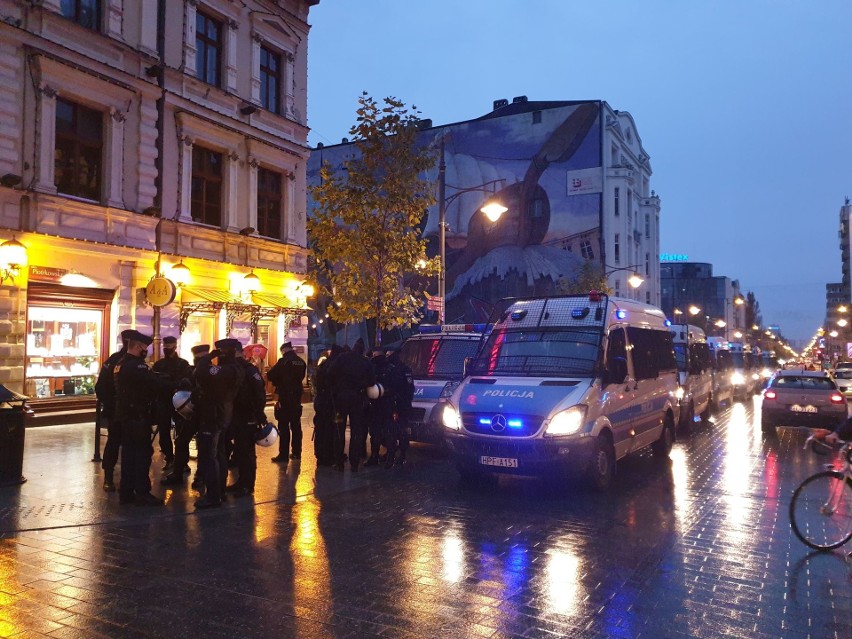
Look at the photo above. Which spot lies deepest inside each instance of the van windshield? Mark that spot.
(738, 360)
(441, 357)
(572, 352)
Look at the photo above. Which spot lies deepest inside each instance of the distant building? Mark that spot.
(132, 140)
(576, 179)
(686, 285)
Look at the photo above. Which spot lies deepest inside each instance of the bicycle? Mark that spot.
(821, 506)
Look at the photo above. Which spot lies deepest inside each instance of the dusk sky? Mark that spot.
(743, 106)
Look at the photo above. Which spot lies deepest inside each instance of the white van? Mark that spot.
(436, 357)
(565, 384)
(723, 366)
(744, 375)
(695, 371)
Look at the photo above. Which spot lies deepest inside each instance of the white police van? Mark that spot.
(436, 357)
(695, 372)
(723, 366)
(564, 385)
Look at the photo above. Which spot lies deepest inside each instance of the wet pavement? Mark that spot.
(699, 546)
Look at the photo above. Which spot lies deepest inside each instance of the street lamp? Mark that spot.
(492, 209)
(694, 310)
(635, 280)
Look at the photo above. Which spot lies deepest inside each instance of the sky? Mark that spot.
(743, 106)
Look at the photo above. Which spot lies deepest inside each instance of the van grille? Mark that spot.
(502, 424)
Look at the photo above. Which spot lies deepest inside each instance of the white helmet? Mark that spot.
(375, 391)
(182, 401)
(266, 435)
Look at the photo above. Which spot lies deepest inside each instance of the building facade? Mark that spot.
(139, 136)
(575, 179)
(691, 294)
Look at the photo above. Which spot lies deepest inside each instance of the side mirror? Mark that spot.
(616, 373)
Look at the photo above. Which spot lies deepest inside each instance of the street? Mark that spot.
(699, 546)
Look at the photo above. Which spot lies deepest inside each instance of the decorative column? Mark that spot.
(231, 193)
(189, 50)
(231, 56)
(114, 161)
(185, 178)
(256, 42)
(289, 86)
(252, 192)
(46, 140)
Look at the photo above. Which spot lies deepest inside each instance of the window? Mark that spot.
(617, 248)
(270, 80)
(586, 250)
(86, 13)
(647, 225)
(653, 352)
(616, 201)
(616, 349)
(208, 45)
(206, 200)
(647, 264)
(79, 150)
(536, 117)
(269, 203)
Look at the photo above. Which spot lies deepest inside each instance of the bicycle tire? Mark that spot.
(810, 523)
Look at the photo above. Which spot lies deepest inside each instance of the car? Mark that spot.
(802, 398)
(843, 379)
(843, 366)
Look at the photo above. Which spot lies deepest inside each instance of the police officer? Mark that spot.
(401, 380)
(136, 386)
(172, 368)
(249, 407)
(349, 375)
(324, 411)
(105, 391)
(219, 378)
(381, 410)
(287, 376)
(186, 429)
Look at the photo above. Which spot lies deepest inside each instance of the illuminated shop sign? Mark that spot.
(674, 257)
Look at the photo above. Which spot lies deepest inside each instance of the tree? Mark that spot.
(365, 230)
(590, 277)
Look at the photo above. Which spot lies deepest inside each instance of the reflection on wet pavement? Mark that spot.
(699, 546)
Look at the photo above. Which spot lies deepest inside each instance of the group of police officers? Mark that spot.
(227, 398)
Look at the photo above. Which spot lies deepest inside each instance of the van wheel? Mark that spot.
(687, 419)
(663, 446)
(602, 464)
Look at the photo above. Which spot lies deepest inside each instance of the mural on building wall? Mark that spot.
(545, 167)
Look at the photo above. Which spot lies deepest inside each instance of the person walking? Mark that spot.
(136, 387)
(248, 413)
(287, 376)
(349, 376)
(172, 368)
(219, 381)
(105, 392)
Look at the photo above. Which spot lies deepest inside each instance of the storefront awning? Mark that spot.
(262, 305)
(281, 302)
(209, 295)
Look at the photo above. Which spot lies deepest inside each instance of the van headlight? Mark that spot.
(451, 418)
(679, 393)
(737, 378)
(567, 422)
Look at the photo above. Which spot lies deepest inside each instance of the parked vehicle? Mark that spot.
(744, 374)
(843, 379)
(563, 385)
(768, 365)
(802, 398)
(695, 373)
(723, 389)
(436, 357)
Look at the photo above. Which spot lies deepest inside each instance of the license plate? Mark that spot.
(803, 409)
(504, 462)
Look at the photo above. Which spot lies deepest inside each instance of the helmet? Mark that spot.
(182, 401)
(375, 391)
(266, 435)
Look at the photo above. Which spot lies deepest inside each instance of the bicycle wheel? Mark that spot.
(821, 510)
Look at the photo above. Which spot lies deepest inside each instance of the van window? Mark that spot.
(617, 347)
(563, 352)
(438, 358)
(653, 352)
(682, 357)
(723, 360)
(699, 357)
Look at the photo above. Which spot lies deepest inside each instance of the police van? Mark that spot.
(436, 357)
(565, 385)
(695, 373)
(744, 374)
(723, 365)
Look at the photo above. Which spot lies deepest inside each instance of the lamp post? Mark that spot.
(492, 210)
(635, 280)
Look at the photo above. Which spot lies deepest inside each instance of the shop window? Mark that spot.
(206, 195)
(78, 153)
(270, 80)
(269, 203)
(208, 45)
(86, 13)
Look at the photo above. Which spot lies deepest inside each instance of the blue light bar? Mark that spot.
(484, 421)
(515, 423)
(579, 313)
(668, 322)
(620, 314)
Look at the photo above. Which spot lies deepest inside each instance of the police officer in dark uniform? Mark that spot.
(172, 368)
(349, 375)
(105, 391)
(324, 427)
(287, 376)
(136, 386)
(186, 429)
(219, 377)
(401, 380)
(249, 407)
(381, 410)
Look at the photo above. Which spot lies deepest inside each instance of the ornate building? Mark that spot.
(139, 136)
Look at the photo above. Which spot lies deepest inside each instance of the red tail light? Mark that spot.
(770, 394)
(837, 398)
